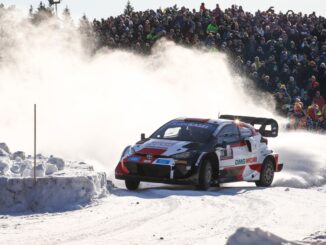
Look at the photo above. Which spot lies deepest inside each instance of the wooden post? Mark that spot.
(34, 143)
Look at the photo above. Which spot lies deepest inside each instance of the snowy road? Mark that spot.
(173, 215)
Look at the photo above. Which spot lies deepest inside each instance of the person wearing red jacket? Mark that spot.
(319, 100)
(314, 112)
(202, 8)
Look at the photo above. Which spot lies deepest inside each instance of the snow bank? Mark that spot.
(245, 236)
(60, 185)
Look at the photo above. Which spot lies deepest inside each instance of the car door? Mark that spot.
(251, 152)
(228, 140)
(233, 155)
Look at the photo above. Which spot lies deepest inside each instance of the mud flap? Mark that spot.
(279, 167)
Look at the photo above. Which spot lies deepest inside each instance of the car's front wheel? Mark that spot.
(132, 184)
(266, 174)
(205, 175)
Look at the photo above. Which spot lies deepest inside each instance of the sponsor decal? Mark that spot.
(134, 159)
(161, 144)
(194, 124)
(240, 161)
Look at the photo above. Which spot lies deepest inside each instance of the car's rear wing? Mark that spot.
(267, 127)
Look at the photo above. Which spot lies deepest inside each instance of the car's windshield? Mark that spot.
(186, 131)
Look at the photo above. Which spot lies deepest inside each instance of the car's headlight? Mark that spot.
(183, 155)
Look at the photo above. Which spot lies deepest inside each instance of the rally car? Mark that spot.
(203, 152)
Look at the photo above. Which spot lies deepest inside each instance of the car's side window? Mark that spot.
(245, 131)
(228, 134)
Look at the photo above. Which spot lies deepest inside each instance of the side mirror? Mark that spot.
(142, 136)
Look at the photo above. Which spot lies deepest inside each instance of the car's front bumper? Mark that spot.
(176, 174)
(185, 181)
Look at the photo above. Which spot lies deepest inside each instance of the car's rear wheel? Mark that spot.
(132, 184)
(205, 175)
(266, 174)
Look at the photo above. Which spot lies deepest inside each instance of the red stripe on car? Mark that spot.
(256, 167)
(152, 151)
(276, 161)
(236, 171)
(251, 160)
(240, 144)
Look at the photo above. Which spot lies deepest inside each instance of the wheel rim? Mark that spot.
(269, 174)
(208, 174)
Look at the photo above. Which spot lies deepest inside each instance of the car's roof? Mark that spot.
(205, 120)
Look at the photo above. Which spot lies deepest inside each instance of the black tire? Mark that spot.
(205, 175)
(266, 174)
(132, 184)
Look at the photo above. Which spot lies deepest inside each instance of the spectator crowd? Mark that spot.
(283, 53)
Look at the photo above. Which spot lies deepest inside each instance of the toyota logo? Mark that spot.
(149, 157)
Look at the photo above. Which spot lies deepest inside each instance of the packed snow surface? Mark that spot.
(176, 215)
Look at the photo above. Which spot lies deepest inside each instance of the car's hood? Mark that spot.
(163, 147)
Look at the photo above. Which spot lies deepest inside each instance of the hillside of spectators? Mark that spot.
(283, 53)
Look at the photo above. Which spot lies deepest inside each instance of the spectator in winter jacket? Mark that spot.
(305, 99)
(202, 8)
(319, 100)
(212, 27)
(323, 112)
(313, 112)
(298, 111)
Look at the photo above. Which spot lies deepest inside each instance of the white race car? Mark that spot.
(203, 152)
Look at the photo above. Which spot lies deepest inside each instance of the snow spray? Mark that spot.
(91, 106)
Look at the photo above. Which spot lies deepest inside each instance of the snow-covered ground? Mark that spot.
(175, 215)
(60, 185)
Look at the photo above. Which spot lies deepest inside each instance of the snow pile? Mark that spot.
(304, 158)
(60, 185)
(245, 236)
